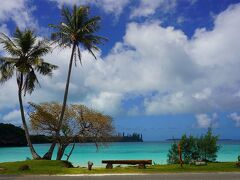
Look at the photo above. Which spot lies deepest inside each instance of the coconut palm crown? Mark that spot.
(24, 60)
(78, 29)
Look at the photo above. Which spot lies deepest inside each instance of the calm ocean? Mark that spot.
(157, 151)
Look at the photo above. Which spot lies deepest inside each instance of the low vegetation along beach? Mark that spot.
(60, 167)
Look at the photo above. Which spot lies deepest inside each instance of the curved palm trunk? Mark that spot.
(48, 155)
(66, 91)
(33, 152)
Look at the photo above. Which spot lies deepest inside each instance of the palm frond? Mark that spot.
(6, 69)
(39, 50)
(45, 68)
(30, 59)
(79, 55)
(91, 25)
(30, 81)
(9, 45)
(27, 41)
(67, 17)
(77, 27)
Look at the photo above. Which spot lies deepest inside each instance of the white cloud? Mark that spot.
(13, 117)
(192, 2)
(206, 121)
(170, 72)
(19, 12)
(167, 104)
(106, 102)
(147, 7)
(109, 6)
(4, 29)
(237, 94)
(113, 6)
(8, 94)
(204, 94)
(219, 42)
(236, 118)
(181, 19)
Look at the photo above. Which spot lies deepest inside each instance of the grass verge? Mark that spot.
(58, 167)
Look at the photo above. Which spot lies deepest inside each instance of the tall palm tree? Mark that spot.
(24, 60)
(76, 30)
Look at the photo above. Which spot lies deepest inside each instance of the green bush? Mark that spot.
(67, 164)
(24, 167)
(173, 154)
(208, 147)
(204, 148)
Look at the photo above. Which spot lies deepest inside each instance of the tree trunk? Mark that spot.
(66, 92)
(70, 153)
(48, 155)
(61, 149)
(33, 152)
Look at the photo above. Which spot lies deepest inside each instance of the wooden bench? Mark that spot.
(200, 163)
(141, 163)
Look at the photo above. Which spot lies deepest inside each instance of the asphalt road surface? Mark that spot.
(172, 176)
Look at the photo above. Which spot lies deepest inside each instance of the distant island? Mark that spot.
(134, 137)
(12, 136)
(177, 139)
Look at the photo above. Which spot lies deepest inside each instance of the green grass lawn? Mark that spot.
(57, 167)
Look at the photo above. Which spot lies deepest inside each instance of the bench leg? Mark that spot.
(109, 166)
(141, 166)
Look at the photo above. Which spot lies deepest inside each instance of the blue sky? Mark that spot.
(170, 66)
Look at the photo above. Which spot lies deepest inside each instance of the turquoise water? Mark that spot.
(157, 151)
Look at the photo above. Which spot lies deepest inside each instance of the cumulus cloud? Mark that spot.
(219, 42)
(147, 7)
(109, 6)
(169, 71)
(19, 11)
(236, 118)
(107, 102)
(8, 94)
(204, 94)
(4, 29)
(13, 117)
(206, 121)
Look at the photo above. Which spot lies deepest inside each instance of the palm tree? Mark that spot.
(76, 29)
(24, 60)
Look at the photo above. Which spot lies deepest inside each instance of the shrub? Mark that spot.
(67, 164)
(189, 148)
(194, 149)
(24, 167)
(173, 157)
(208, 147)
(2, 169)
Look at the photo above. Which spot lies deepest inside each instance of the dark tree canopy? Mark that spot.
(11, 135)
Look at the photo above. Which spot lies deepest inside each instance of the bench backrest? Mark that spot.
(132, 162)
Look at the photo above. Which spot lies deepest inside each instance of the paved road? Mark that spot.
(180, 176)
